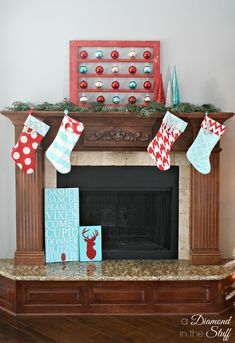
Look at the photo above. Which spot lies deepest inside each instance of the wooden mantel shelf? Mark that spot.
(116, 130)
(20, 116)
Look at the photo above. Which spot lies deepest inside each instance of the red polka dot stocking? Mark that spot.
(24, 151)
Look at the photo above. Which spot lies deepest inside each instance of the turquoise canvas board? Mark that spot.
(61, 224)
(90, 243)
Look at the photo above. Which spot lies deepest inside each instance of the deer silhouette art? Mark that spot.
(90, 240)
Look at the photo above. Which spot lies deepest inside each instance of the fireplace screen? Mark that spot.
(137, 208)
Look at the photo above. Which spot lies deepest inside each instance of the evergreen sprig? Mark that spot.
(144, 111)
(187, 107)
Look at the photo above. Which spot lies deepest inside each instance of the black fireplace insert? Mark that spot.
(137, 208)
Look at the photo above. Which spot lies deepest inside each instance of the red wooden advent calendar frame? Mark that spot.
(75, 59)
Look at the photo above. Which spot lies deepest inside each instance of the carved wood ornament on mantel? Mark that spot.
(118, 132)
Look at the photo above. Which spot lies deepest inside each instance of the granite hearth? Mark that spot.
(116, 287)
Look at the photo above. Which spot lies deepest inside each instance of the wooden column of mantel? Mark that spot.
(204, 218)
(120, 132)
(205, 214)
(29, 212)
(29, 215)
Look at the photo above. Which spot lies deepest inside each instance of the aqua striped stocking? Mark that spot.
(60, 150)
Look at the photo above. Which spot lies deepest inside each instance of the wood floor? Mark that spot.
(105, 329)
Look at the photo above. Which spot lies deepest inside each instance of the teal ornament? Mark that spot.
(116, 99)
(147, 70)
(175, 89)
(66, 112)
(83, 69)
(99, 54)
(132, 84)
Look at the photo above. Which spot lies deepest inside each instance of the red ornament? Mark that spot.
(114, 54)
(147, 54)
(100, 99)
(160, 92)
(83, 54)
(99, 70)
(147, 85)
(115, 84)
(83, 84)
(132, 99)
(132, 70)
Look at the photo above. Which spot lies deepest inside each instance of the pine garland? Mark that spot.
(144, 111)
(187, 107)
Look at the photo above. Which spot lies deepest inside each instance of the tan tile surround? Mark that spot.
(113, 158)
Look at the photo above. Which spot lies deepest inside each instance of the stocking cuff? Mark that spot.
(174, 121)
(36, 125)
(213, 126)
(72, 125)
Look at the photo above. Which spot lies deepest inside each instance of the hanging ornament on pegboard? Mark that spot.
(99, 54)
(147, 70)
(83, 69)
(115, 84)
(84, 99)
(132, 54)
(83, 54)
(147, 99)
(132, 84)
(160, 98)
(132, 99)
(147, 85)
(132, 69)
(100, 99)
(115, 69)
(116, 99)
(99, 70)
(83, 84)
(114, 54)
(98, 84)
(147, 54)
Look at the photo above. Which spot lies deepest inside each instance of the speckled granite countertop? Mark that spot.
(117, 270)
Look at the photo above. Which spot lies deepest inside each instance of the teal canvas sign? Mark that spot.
(90, 243)
(61, 224)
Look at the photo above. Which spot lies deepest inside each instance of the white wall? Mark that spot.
(196, 35)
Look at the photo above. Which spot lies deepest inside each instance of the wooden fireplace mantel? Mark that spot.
(118, 132)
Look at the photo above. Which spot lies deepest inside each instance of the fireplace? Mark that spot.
(136, 206)
(116, 132)
(118, 141)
